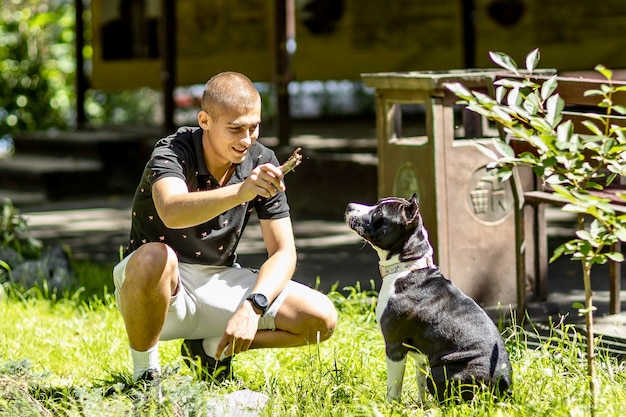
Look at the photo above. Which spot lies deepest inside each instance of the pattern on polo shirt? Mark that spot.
(178, 155)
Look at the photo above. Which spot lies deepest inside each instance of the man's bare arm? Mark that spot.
(280, 265)
(179, 208)
(274, 274)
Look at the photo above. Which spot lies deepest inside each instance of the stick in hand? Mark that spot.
(294, 160)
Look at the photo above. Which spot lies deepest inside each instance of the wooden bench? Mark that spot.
(531, 200)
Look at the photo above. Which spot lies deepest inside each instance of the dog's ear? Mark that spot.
(413, 209)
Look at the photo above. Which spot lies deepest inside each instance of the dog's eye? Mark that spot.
(377, 217)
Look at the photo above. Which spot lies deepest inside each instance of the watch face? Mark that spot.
(259, 301)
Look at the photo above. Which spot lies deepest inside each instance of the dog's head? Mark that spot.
(393, 226)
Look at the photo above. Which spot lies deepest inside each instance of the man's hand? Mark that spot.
(265, 181)
(240, 331)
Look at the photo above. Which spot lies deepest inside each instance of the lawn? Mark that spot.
(68, 355)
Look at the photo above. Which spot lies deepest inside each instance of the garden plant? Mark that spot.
(573, 164)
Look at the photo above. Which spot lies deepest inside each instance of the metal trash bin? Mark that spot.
(468, 212)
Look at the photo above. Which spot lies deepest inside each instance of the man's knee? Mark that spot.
(151, 265)
(309, 314)
(326, 320)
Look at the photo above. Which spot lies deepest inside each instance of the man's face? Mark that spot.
(227, 138)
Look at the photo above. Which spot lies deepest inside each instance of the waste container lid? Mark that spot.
(430, 80)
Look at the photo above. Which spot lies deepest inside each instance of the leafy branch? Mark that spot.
(578, 166)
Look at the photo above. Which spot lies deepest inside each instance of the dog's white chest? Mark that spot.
(395, 370)
(387, 290)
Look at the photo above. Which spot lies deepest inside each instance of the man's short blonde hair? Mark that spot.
(229, 90)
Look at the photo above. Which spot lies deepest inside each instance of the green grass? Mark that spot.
(59, 354)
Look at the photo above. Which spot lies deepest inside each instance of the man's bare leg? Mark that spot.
(151, 280)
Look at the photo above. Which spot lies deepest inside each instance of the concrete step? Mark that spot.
(24, 198)
(104, 145)
(66, 164)
(41, 164)
(55, 177)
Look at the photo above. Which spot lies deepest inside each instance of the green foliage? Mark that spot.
(125, 107)
(36, 64)
(572, 164)
(38, 70)
(15, 233)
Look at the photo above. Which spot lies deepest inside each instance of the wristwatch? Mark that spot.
(259, 301)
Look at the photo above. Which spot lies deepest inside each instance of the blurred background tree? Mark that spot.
(38, 67)
(38, 70)
(36, 64)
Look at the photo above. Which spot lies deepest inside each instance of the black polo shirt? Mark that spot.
(180, 155)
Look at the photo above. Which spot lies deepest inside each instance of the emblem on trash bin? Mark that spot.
(489, 199)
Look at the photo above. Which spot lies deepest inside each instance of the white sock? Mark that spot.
(142, 361)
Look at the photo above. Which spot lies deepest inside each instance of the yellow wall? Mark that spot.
(370, 36)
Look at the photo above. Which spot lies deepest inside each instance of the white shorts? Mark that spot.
(207, 298)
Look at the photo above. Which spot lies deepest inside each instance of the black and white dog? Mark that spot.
(422, 313)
